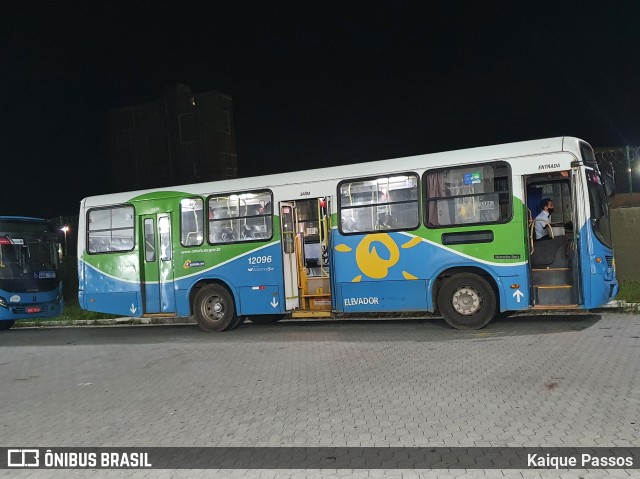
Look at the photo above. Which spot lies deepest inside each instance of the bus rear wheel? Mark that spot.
(4, 325)
(266, 318)
(467, 301)
(214, 309)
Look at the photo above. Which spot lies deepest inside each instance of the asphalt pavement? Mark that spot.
(547, 380)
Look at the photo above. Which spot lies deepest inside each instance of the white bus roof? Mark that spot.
(431, 160)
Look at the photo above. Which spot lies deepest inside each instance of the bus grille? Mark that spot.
(609, 261)
(23, 308)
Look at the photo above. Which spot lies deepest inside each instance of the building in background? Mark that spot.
(182, 138)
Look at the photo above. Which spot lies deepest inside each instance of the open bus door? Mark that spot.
(157, 265)
(553, 259)
(305, 232)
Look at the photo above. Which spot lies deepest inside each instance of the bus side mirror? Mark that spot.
(609, 185)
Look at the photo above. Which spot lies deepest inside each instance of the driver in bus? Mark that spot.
(543, 220)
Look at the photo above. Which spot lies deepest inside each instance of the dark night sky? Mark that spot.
(313, 85)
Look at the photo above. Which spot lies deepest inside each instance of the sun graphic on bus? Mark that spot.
(371, 264)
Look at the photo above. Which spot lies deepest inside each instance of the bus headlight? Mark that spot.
(59, 297)
(3, 302)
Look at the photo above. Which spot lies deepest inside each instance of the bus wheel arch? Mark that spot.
(214, 307)
(467, 297)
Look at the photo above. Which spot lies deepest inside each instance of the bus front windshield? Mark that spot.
(600, 220)
(28, 258)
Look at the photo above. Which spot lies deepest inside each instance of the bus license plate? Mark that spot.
(33, 309)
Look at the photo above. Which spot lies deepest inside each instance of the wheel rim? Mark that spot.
(213, 308)
(466, 301)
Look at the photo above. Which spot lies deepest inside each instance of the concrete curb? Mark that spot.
(619, 304)
(103, 322)
(616, 304)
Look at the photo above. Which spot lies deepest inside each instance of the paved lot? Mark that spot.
(529, 381)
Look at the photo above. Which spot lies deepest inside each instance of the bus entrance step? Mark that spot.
(554, 294)
(555, 306)
(551, 276)
(306, 313)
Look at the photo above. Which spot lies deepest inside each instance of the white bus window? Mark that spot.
(383, 203)
(240, 217)
(468, 195)
(191, 222)
(110, 229)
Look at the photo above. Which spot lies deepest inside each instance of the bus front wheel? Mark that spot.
(214, 309)
(4, 325)
(467, 301)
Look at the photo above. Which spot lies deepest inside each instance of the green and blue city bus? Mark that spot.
(451, 232)
(30, 283)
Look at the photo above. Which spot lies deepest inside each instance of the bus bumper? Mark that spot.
(42, 305)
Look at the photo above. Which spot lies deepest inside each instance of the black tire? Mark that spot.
(467, 301)
(235, 323)
(265, 318)
(214, 309)
(4, 325)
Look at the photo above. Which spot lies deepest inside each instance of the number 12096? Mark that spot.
(260, 259)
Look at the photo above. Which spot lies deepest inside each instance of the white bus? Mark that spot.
(452, 232)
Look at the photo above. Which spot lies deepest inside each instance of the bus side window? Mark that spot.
(379, 203)
(192, 221)
(110, 229)
(240, 217)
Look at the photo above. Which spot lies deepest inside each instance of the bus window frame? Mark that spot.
(257, 240)
(426, 200)
(110, 207)
(377, 177)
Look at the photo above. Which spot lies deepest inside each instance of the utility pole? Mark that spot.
(629, 171)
